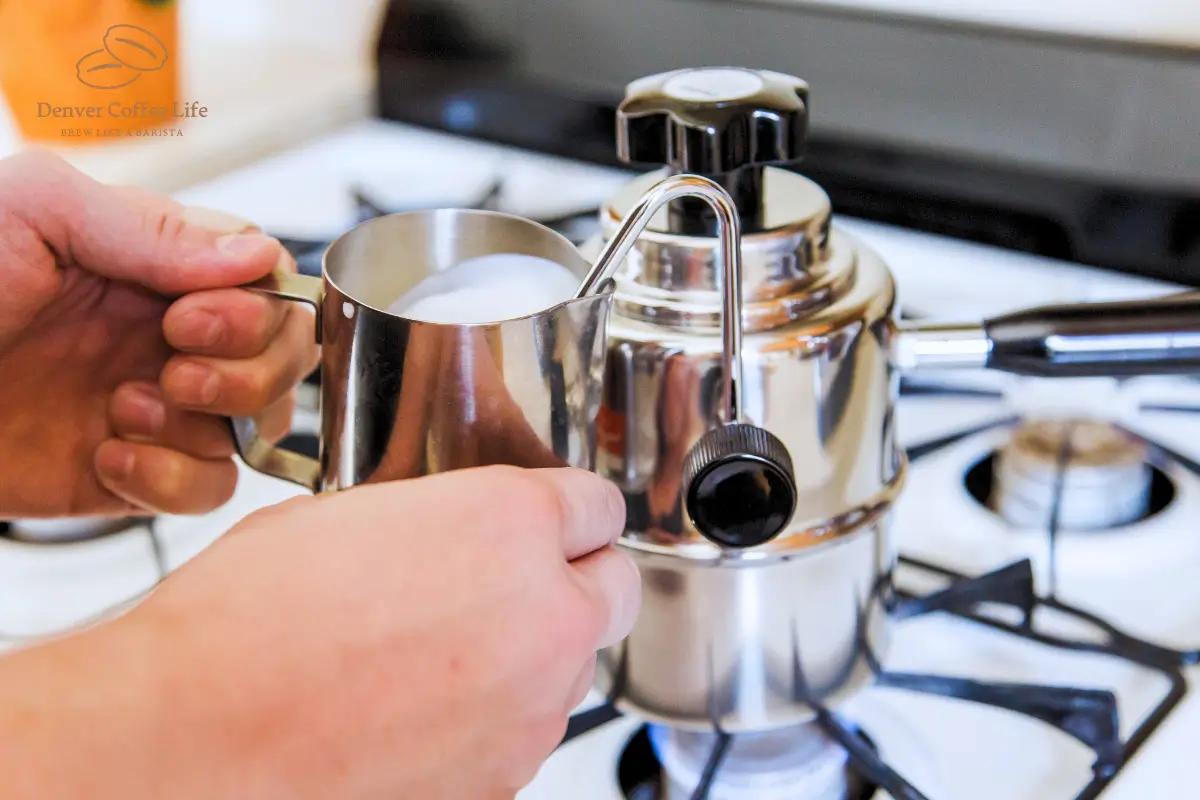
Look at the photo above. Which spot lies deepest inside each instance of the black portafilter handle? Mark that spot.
(724, 123)
(1145, 337)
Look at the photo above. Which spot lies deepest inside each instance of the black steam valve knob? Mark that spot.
(738, 486)
(725, 123)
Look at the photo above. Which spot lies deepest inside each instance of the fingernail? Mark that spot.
(143, 411)
(243, 245)
(617, 509)
(194, 385)
(115, 462)
(199, 329)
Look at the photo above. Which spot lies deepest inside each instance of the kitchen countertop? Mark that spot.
(260, 98)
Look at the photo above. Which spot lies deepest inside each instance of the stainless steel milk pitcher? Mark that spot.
(402, 398)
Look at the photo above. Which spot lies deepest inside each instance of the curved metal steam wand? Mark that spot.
(738, 482)
(729, 268)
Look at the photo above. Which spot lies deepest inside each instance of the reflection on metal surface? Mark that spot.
(823, 386)
(726, 269)
(756, 638)
(402, 399)
(754, 646)
(286, 465)
(789, 270)
(941, 347)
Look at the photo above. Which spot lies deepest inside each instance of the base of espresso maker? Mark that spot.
(761, 645)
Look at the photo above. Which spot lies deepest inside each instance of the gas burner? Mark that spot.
(1081, 474)
(980, 482)
(783, 765)
(69, 530)
(802, 762)
(1085, 496)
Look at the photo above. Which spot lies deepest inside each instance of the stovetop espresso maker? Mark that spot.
(731, 361)
(762, 529)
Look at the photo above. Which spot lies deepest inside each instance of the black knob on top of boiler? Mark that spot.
(725, 123)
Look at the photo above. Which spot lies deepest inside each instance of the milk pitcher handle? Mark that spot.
(257, 453)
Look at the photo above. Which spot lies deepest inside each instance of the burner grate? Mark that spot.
(100, 530)
(1112, 754)
(1086, 714)
(162, 569)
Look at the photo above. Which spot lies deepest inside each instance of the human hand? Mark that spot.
(122, 345)
(677, 429)
(419, 639)
(449, 371)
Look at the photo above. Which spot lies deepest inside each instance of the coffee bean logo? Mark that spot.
(128, 52)
(135, 47)
(100, 70)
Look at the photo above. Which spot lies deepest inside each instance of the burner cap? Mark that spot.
(1105, 475)
(787, 764)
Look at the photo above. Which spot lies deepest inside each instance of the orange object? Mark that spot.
(77, 71)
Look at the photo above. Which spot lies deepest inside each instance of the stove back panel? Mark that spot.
(1068, 147)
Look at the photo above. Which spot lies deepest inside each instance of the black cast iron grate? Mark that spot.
(118, 526)
(157, 553)
(1088, 715)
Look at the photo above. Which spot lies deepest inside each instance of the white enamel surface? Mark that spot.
(712, 85)
(1143, 578)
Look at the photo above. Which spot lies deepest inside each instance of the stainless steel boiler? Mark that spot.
(765, 547)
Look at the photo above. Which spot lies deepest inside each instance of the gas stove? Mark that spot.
(1046, 530)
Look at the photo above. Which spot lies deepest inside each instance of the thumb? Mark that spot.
(135, 236)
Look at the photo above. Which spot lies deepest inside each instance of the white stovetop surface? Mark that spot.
(1142, 578)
